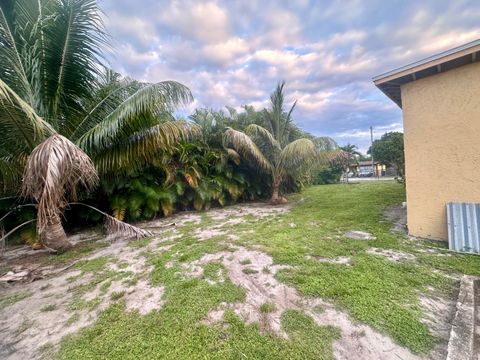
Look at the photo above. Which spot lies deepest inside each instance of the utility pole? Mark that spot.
(371, 152)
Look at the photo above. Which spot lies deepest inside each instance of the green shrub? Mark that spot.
(329, 175)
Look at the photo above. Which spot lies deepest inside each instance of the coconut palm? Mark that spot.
(271, 148)
(62, 114)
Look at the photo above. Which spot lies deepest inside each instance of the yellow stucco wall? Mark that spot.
(442, 146)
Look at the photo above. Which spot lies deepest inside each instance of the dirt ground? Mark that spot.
(60, 300)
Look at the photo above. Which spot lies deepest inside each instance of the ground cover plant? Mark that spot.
(308, 286)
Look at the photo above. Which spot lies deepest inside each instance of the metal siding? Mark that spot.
(464, 227)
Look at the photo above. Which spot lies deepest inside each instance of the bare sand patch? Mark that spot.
(340, 260)
(19, 341)
(439, 313)
(258, 210)
(204, 234)
(359, 235)
(358, 341)
(391, 255)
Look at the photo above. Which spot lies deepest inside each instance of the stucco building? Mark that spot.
(440, 99)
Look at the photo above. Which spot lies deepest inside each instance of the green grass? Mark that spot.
(77, 252)
(13, 298)
(116, 295)
(50, 307)
(249, 271)
(371, 289)
(73, 319)
(267, 307)
(24, 326)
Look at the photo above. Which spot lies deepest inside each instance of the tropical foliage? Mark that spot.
(272, 148)
(72, 129)
(61, 111)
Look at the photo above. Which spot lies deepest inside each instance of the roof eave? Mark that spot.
(390, 82)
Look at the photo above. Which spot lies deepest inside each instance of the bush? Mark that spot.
(329, 175)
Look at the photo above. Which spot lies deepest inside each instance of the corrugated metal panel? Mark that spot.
(464, 227)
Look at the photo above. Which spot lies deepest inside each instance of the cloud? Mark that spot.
(234, 52)
(202, 21)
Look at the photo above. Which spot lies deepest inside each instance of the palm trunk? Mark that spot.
(276, 199)
(54, 237)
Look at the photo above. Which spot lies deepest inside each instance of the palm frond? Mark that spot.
(119, 228)
(160, 97)
(254, 130)
(10, 174)
(54, 169)
(265, 141)
(142, 147)
(297, 155)
(76, 38)
(11, 104)
(242, 143)
(13, 68)
(325, 143)
(106, 99)
(233, 155)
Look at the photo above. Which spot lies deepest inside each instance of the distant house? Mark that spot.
(440, 99)
(364, 168)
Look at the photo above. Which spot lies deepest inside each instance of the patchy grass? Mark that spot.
(93, 265)
(140, 243)
(213, 271)
(81, 304)
(13, 298)
(267, 307)
(373, 290)
(24, 326)
(73, 319)
(79, 251)
(50, 307)
(117, 295)
(249, 271)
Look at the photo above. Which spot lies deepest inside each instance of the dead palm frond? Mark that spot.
(118, 228)
(53, 171)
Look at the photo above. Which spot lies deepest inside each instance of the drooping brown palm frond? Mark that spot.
(54, 169)
(117, 227)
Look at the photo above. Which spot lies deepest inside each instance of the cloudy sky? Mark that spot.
(233, 52)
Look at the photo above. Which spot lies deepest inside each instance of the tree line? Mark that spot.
(77, 135)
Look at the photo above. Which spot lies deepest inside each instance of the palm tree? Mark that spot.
(350, 155)
(351, 149)
(270, 148)
(63, 117)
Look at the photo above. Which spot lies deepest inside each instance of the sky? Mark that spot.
(233, 53)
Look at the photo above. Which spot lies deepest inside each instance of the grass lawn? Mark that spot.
(370, 288)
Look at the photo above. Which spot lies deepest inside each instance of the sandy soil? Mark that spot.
(25, 328)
